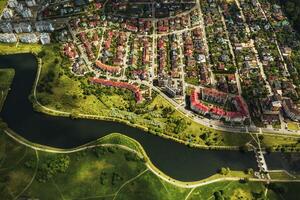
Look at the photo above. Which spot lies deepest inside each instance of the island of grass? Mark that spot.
(58, 90)
(6, 77)
(115, 167)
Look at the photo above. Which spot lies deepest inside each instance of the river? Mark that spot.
(174, 159)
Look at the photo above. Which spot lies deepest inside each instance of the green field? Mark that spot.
(293, 126)
(6, 77)
(111, 170)
(2, 5)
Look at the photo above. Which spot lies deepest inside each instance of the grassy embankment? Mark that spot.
(58, 89)
(6, 77)
(2, 5)
(109, 172)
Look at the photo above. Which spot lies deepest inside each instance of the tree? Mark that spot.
(224, 171)
(218, 195)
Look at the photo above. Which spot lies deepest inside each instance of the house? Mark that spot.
(22, 27)
(199, 104)
(45, 38)
(131, 87)
(8, 38)
(26, 13)
(44, 26)
(7, 13)
(290, 109)
(286, 51)
(12, 3)
(28, 38)
(107, 68)
(6, 27)
(70, 51)
(30, 3)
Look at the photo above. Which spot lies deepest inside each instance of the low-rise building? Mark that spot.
(45, 38)
(6, 27)
(8, 38)
(200, 105)
(22, 27)
(44, 26)
(28, 38)
(7, 13)
(136, 90)
(26, 13)
(30, 3)
(290, 109)
(12, 3)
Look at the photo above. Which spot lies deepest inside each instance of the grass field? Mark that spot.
(2, 5)
(293, 126)
(6, 77)
(19, 48)
(110, 172)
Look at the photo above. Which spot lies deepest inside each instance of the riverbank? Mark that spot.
(110, 148)
(6, 77)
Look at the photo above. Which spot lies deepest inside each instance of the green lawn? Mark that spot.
(108, 172)
(282, 175)
(6, 77)
(19, 48)
(293, 126)
(2, 5)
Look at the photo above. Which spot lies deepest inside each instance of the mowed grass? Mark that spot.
(14, 177)
(95, 172)
(282, 175)
(19, 48)
(150, 187)
(271, 140)
(293, 126)
(89, 175)
(2, 5)
(229, 189)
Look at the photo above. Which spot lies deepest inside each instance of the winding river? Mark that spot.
(174, 159)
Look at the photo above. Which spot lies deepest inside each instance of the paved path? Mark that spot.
(148, 163)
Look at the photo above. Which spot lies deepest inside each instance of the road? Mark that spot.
(202, 26)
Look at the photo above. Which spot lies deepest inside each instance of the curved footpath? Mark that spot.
(141, 154)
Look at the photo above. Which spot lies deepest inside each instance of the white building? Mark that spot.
(8, 38)
(30, 3)
(22, 28)
(43, 26)
(6, 27)
(12, 3)
(28, 38)
(45, 38)
(26, 13)
(19, 8)
(7, 13)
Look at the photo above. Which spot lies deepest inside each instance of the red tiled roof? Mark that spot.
(199, 106)
(107, 68)
(133, 88)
